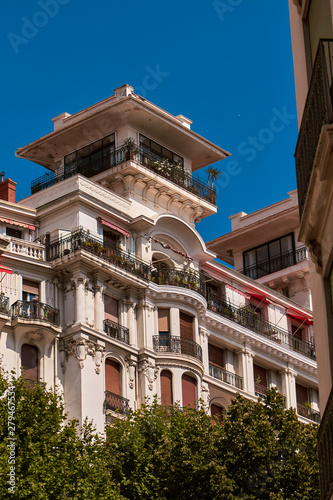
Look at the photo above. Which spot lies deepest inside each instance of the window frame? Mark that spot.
(151, 150)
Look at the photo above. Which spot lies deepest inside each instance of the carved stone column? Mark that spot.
(288, 378)
(245, 363)
(98, 306)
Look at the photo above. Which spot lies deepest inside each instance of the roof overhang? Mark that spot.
(105, 117)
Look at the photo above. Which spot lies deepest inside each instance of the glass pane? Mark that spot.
(155, 147)
(144, 141)
(69, 159)
(250, 258)
(95, 146)
(110, 139)
(286, 244)
(167, 153)
(262, 253)
(84, 152)
(178, 159)
(274, 249)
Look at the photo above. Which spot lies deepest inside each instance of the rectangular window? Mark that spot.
(216, 355)
(110, 309)
(301, 394)
(14, 233)
(109, 239)
(163, 321)
(260, 375)
(91, 159)
(270, 257)
(150, 146)
(186, 326)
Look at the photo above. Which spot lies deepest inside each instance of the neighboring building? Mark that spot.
(312, 43)
(264, 246)
(113, 295)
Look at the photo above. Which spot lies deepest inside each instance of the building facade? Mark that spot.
(264, 246)
(312, 43)
(109, 292)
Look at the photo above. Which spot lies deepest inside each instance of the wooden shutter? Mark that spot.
(166, 388)
(260, 372)
(189, 391)
(216, 411)
(163, 320)
(29, 361)
(110, 308)
(186, 326)
(216, 355)
(112, 376)
(30, 287)
(301, 394)
(109, 239)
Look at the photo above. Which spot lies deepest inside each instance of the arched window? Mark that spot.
(166, 388)
(112, 377)
(29, 362)
(189, 390)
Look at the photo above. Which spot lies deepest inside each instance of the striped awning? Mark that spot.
(13, 222)
(113, 226)
(4, 269)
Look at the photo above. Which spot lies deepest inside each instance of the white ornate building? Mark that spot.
(108, 290)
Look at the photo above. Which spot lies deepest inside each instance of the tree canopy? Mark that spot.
(258, 450)
(44, 456)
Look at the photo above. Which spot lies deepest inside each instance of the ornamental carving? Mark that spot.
(80, 349)
(130, 367)
(150, 371)
(34, 335)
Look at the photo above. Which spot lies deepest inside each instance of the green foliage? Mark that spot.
(54, 458)
(259, 451)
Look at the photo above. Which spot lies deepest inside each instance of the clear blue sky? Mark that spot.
(226, 65)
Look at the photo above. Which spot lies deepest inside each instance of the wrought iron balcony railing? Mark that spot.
(185, 279)
(325, 450)
(116, 331)
(116, 403)
(35, 311)
(260, 390)
(318, 111)
(158, 164)
(225, 376)
(283, 261)
(243, 316)
(4, 302)
(309, 413)
(81, 240)
(168, 343)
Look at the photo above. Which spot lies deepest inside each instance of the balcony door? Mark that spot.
(29, 362)
(189, 390)
(166, 388)
(112, 377)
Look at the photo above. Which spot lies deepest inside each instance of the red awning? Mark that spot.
(260, 298)
(302, 318)
(4, 269)
(114, 227)
(17, 223)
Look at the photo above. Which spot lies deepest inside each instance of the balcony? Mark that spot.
(81, 240)
(325, 451)
(318, 111)
(225, 376)
(308, 412)
(186, 279)
(36, 311)
(244, 317)
(93, 166)
(260, 390)
(115, 402)
(179, 345)
(283, 261)
(4, 303)
(116, 331)
(27, 249)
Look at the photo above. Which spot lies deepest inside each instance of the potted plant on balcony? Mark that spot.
(213, 175)
(130, 148)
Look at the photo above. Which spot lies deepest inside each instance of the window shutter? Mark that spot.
(301, 394)
(163, 320)
(259, 371)
(166, 388)
(30, 287)
(189, 391)
(29, 361)
(216, 411)
(186, 326)
(216, 355)
(110, 308)
(112, 376)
